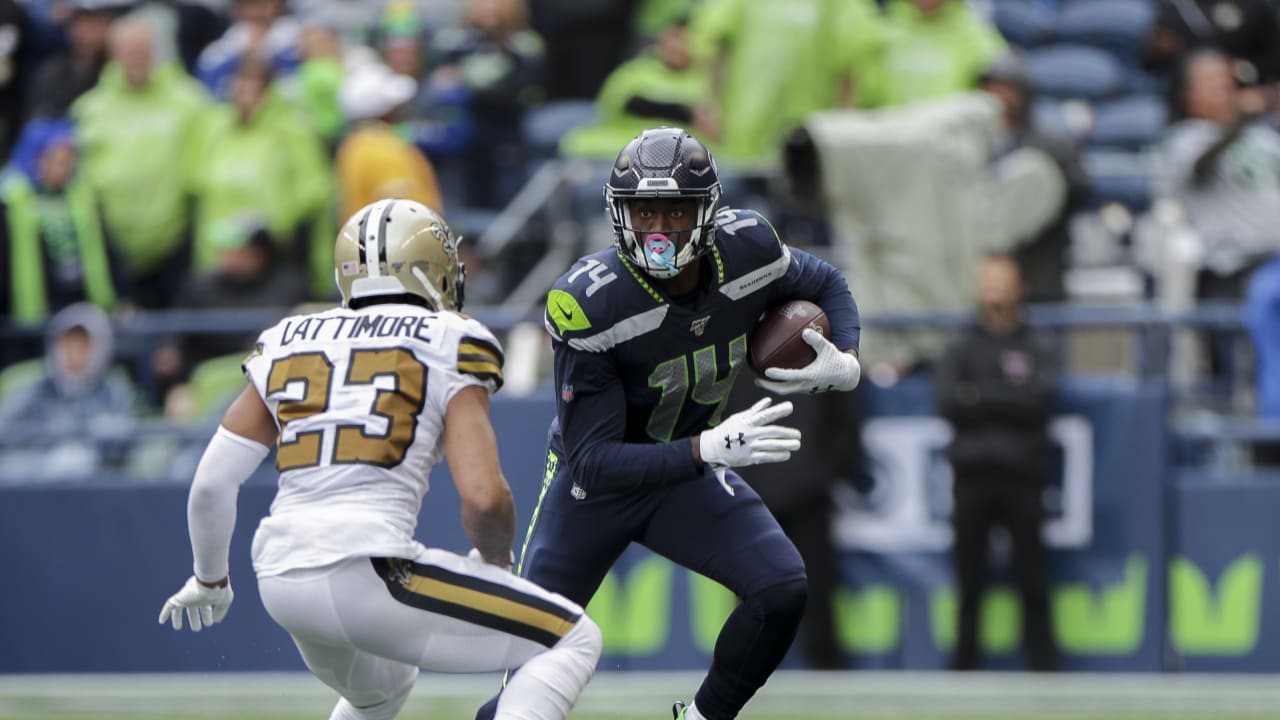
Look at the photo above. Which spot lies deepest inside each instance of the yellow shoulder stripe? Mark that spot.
(471, 350)
(481, 358)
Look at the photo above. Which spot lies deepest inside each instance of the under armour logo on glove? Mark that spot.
(757, 441)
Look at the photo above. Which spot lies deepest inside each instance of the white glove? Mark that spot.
(831, 370)
(749, 438)
(204, 605)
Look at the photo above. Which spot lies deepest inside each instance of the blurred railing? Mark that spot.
(1151, 325)
(554, 194)
(1217, 420)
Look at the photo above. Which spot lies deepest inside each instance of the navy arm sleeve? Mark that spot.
(816, 280)
(592, 410)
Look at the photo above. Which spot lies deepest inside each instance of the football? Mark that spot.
(776, 341)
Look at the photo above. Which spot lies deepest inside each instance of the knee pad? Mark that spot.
(782, 604)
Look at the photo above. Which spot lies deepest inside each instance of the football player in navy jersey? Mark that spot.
(648, 337)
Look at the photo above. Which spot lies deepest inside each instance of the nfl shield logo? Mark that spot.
(566, 394)
(699, 326)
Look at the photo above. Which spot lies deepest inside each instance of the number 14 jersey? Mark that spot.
(360, 399)
(637, 372)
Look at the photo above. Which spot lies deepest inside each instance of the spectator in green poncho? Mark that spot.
(51, 234)
(317, 81)
(932, 48)
(773, 63)
(651, 17)
(661, 86)
(257, 155)
(134, 130)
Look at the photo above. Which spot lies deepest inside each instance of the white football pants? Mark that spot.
(365, 626)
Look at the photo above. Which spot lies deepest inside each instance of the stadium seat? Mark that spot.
(214, 383)
(1141, 82)
(543, 126)
(1131, 122)
(470, 222)
(1075, 71)
(20, 375)
(1118, 26)
(1120, 177)
(1022, 23)
(1063, 118)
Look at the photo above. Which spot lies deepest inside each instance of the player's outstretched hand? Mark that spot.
(204, 605)
(750, 437)
(832, 369)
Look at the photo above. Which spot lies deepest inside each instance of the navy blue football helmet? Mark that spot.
(663, 163)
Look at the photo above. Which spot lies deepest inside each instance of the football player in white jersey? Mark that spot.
(363, 399)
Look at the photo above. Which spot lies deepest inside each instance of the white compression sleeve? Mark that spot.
(227, 462)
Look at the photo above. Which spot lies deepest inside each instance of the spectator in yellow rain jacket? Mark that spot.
(373, 161)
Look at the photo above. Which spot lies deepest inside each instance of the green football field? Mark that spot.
(625, 695)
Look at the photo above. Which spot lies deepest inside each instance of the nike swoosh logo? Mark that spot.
(568, 314)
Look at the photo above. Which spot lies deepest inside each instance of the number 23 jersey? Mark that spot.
(360, 399)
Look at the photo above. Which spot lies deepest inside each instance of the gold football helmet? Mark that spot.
(394, 247)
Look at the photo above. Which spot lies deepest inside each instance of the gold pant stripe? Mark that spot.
(484, 602)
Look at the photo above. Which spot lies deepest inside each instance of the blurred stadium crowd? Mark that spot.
(169, 161)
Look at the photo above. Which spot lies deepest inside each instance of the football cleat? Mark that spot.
(679, 710)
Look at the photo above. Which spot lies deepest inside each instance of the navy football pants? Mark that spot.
(730, 538)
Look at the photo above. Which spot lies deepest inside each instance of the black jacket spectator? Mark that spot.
(13, 30)
(997, 391)
(73, 70)
(996, 386)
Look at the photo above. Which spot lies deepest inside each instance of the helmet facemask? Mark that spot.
(443, 285)
(653, 250)
(663, 163)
